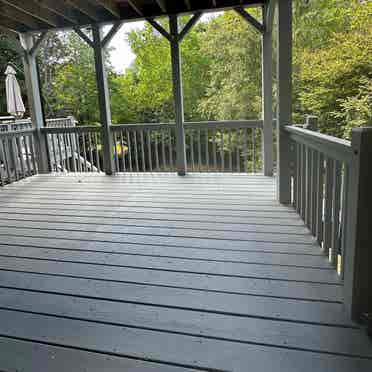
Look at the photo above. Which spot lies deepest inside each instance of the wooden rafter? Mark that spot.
(19, 17)
(111, 6)
(61, 9)
(188, 4)
(136, 7)
(12, 25)
(85, 8)
(162, 5)
(35, 10)
(39, 15)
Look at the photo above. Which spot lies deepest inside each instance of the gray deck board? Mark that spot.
(154, 272)
(207, 325)
(171, 348)
(18, 355)
(103, 276)
(235, 269)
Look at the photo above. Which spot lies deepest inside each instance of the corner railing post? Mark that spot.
(284, 92)
(358, 247)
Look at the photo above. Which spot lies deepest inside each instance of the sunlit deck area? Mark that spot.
(156, 272)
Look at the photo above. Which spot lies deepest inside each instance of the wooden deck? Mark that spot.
(158, 273)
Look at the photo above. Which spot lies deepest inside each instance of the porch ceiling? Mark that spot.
(37, 15)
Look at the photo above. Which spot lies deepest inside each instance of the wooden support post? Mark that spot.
(103, 100)
(178, 96)
(34, 101)
(284, 76)
(358, 247)
(267, 99)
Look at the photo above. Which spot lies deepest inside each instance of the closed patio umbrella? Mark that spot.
(14, 101)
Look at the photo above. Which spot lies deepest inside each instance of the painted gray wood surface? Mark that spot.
(214, 283)
(172, 348)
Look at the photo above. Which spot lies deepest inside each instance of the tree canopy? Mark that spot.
(221, 68)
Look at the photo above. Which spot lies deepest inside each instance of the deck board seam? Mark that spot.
(189, 334)
(121, 355)
(125, 253)
(311, 243)
(155, 226)
(209, 274)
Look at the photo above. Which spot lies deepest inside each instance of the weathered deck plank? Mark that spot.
(196, 352)
(153, 272)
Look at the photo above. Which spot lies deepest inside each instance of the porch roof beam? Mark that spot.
(66, 12)
(162, 5)
(111, 6)
(86, 8)
(35, 10)
(136, 7)
(20, 17)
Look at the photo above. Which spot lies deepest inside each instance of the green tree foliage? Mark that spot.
(221, 70)
(233, 88)
(150, 75)
(333, 63)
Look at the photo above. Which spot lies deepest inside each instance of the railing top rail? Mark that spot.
(61, 130)
(334, 147)
(17, 133)
(142, 126)
(226, 124)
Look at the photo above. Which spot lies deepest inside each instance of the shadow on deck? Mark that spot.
(153, 272)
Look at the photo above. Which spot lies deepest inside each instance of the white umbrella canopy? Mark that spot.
(14, 101)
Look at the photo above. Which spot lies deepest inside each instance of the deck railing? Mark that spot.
(319, 188)
(225, 146)
(228, 146)
(17, 155)
(329, 188)
(74, 149)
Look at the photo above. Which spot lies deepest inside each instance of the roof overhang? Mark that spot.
(41, 15)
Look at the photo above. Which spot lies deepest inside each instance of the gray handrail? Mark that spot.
(334, 147)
